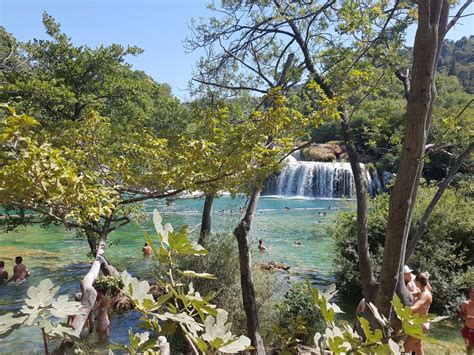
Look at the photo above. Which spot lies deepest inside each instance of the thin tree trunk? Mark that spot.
(369, 285)
(246, 281)
(421, 99)
(423, 223)
(92, 241)
(206, 218)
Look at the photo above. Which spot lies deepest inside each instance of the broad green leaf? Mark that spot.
(138, 291)
(42, 295)
(8, 323)
(184, 319)
(217, 327)
(234, 346)
(63, 307)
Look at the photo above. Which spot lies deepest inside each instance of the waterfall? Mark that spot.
(314, 179)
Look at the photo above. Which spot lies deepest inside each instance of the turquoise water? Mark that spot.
(58, 254)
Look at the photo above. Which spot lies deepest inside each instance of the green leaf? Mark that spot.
(201, 275)
(234, 346)
(8, 323)
(63, 307)
(41, 296)
(217, 327)
(138, 291)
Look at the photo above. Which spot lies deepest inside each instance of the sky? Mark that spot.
(157, 26)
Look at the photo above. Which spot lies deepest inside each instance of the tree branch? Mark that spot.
(458, 15)
(423, 223)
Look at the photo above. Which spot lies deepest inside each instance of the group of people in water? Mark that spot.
(20, 271)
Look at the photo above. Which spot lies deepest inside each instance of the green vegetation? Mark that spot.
(456, 59)
(446, 251)
(86, 140)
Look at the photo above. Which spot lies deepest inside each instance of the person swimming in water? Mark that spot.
(262, 247)
(3, 272)
(102, 319)
(146, 250)
(20, 271)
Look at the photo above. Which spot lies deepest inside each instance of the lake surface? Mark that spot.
(58, 254)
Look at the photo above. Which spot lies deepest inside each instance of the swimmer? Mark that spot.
(262, 247)
(3, 273)
(146, 250)
(20, 271)
(297, 243)
(102, 320)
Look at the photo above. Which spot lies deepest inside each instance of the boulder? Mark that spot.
(326, 152)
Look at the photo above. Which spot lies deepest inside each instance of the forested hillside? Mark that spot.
(457, 58)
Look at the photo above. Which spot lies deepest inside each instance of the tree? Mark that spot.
(260, 38)
(359, 52)
(421, 97)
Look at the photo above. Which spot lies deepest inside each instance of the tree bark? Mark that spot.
(89, 294)
(430, 33)
(423, 223)
(246, 281)
(92, 241)
(206, 218)
(369, 285)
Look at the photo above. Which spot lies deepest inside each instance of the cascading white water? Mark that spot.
(314, 179)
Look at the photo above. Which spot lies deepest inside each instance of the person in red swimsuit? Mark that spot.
(467, 315)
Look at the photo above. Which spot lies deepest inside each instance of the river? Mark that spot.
(58, 254)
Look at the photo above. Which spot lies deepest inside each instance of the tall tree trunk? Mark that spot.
(248, 292)
(206, 218)
(369, 285)
(430, 33)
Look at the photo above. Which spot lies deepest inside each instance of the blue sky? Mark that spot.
(157, 26)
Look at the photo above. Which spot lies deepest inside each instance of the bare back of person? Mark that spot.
(103, 322)
(20, 273)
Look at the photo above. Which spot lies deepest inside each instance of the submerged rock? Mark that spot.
(273, 266)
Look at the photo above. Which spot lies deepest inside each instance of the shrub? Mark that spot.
(445, 251)
(299, 318)
(222, 261)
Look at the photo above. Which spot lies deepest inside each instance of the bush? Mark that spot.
(223, 262)
(446, 250)
(299, 318)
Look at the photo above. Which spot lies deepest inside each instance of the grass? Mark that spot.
(448, 333)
